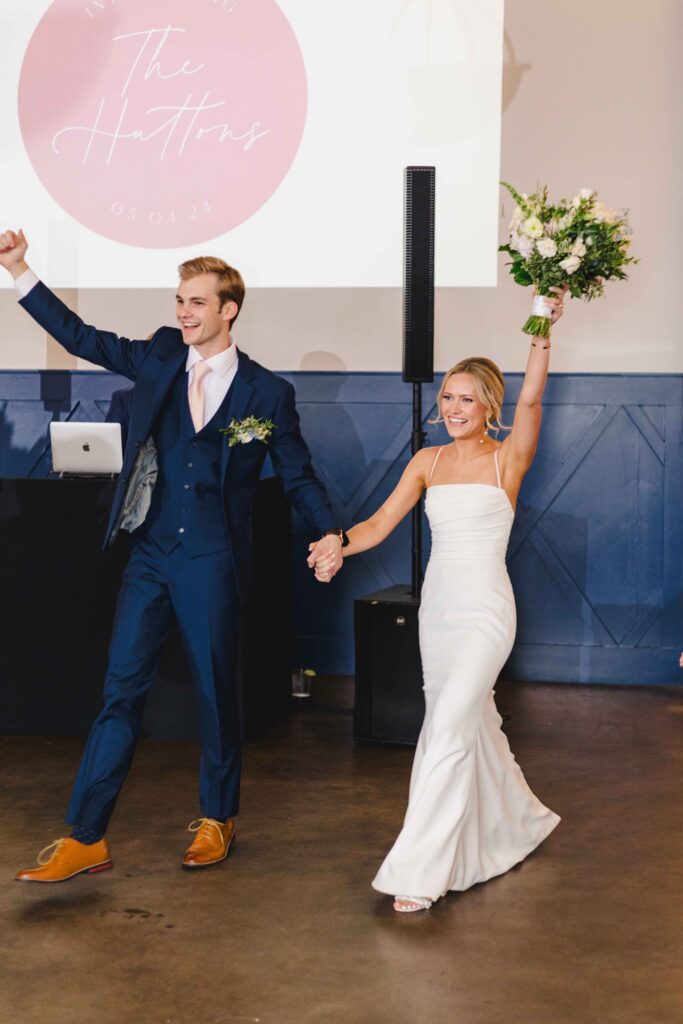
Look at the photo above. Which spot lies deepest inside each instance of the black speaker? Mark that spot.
(418, 277)
(389, 702)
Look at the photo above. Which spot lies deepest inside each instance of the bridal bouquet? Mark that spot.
(578, 243)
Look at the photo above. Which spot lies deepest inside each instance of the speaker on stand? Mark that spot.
(389, 704)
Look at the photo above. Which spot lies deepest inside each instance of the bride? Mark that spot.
(470, 813)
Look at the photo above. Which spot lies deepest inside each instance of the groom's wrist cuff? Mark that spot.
(26, 282)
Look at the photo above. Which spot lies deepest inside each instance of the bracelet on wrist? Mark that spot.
(338, 533)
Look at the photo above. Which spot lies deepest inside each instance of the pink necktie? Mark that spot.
(195, 393)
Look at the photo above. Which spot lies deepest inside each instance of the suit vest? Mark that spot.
(187, 501)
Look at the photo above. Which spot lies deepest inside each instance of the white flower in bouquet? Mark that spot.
(603, 214)
(547, 247)
(577, 244)
(533, 227)
(570, 264)
(583, 193)
(517, 218)
(523, 245)
(551, 227)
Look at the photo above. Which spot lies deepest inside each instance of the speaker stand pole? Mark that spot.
(417, 442)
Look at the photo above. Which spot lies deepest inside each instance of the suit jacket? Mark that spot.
(119, 410)
(255, 391)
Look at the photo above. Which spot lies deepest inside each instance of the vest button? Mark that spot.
(190, 465)
(187, 487)
(181, 530)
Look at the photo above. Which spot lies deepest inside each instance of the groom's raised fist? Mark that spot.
(13, 246)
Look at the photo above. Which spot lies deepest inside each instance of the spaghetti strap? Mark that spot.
(495, 459)
(436, 459)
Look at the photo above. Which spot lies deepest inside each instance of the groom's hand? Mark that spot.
(325, 557)
(13, 248)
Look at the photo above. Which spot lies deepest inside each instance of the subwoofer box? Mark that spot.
(389, 702)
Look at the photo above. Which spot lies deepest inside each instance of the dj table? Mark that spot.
(59, 592)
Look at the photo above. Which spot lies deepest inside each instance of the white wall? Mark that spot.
(591, 96)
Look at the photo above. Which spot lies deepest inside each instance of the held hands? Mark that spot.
(13, 246)
(325, 557)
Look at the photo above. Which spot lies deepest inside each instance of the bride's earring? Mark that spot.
(486, 431)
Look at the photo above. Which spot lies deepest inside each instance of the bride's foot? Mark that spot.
(409, 904)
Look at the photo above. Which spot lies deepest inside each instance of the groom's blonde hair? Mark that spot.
(229, 283)
(489, 384)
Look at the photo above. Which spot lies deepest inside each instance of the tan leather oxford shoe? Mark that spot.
(211, 844)
(66, 858)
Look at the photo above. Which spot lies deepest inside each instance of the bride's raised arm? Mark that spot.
(519, 447)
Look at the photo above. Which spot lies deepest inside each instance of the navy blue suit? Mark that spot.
(119, 410)
(191, 556)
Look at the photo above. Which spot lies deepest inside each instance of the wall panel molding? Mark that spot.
(596, 553)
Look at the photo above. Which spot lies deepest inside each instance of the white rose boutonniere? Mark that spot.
(249, 429)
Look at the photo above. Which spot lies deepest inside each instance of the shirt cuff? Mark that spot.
(25, 282)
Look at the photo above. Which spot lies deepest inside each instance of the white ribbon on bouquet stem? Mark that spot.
(541, 307)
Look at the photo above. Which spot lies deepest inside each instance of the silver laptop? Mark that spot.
(86, 448)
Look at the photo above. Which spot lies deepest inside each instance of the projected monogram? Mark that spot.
(158, 123)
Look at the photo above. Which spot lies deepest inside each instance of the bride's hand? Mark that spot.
(555, 302)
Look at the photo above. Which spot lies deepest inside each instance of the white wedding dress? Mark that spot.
(470, 814)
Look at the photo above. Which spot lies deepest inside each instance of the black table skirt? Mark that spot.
(58, 597)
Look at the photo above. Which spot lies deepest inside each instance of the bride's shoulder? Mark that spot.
(426, 456)
(422, 462)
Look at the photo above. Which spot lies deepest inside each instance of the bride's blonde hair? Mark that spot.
(489, 385)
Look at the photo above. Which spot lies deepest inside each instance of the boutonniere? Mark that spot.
(244, 431)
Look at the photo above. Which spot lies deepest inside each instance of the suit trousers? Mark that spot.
(202, 595)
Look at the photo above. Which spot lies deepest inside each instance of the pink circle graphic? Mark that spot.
(162, 123)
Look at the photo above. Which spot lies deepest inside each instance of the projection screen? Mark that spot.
(145, 132)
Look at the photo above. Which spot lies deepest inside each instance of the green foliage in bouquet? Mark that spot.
(578, 243)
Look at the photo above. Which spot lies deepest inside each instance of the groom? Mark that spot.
(185, 494)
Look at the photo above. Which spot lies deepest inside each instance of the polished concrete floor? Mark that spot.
(288, 931)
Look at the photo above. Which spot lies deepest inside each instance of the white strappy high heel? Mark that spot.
(409, 904)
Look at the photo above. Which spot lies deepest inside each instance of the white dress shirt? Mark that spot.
(25, 282)
(216, 383)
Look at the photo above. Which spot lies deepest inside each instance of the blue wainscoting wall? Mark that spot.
(596, 554)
